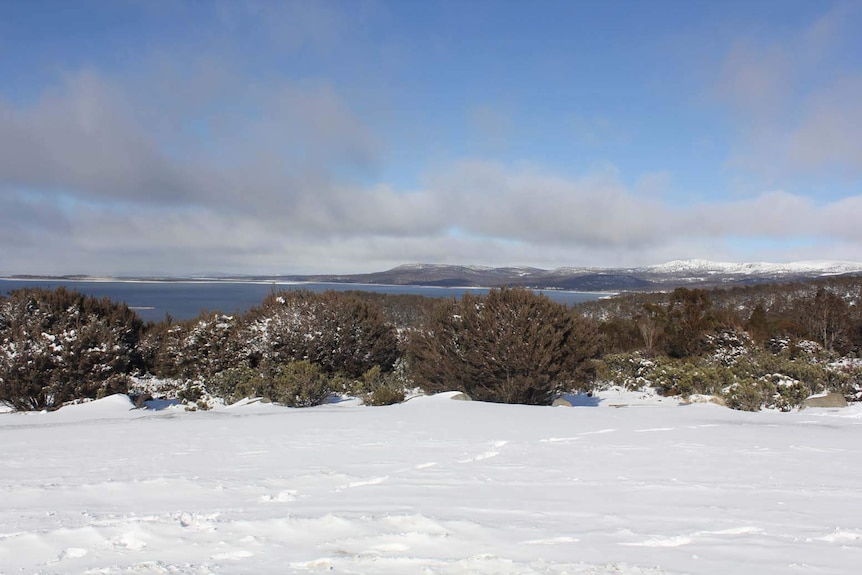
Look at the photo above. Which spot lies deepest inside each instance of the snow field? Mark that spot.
(431, 486)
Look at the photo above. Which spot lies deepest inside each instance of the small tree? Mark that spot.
(511, 346)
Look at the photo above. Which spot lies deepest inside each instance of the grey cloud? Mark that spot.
(81, 139)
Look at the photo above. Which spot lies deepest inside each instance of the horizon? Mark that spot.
(349, 137)
(804, 265)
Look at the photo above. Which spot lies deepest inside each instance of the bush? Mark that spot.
(511, 346)
(377, 388)
(300, 384)
(57, 346)
(743, 396)
(236, 383)
(340, 332)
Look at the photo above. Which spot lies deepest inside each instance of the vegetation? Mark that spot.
(511, 346)
(57, 346)
(767, 346)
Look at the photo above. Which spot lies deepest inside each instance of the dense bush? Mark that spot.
(511, 346)
(56, 346)
(300, 384)
(340, 332)
(295, 384)
(752, 381)
(195, 349)
(378, 388)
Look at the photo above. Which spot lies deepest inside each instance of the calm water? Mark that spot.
(185, 300)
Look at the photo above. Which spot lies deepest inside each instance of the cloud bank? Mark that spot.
(195, 164)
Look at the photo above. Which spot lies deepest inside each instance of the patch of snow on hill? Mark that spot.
(706, 267)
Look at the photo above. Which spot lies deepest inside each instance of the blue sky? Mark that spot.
(174, 137)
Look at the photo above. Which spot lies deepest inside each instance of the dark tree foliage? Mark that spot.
(825, 318)
(758, 325)
(58, 345)
(337, 331)
(511, 346)
(688, 320)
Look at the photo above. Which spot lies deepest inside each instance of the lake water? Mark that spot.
(185, 300)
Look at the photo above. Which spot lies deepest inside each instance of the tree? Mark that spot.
(688, 320)
(511, 346)
(824, 317)
(650, 324)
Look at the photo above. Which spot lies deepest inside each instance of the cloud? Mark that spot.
(192, 160)
(797, 101)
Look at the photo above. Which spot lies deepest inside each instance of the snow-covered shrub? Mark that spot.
(59, 345)
(727, 347)
(770, 391)
(340, 332)
(195, 349)
(744, 396)
(845, 377)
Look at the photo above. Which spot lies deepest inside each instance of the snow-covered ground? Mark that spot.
(623, 483)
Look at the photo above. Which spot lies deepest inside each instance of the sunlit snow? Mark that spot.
(620, 483)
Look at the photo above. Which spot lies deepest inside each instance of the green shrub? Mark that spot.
(384, 395)
(744, 396)
(235, 383)
(300, 384)
(377, 388)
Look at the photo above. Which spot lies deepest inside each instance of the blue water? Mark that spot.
(185, 300)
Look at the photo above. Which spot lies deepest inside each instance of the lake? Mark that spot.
(185, 300)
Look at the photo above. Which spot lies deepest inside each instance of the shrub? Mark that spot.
(377, 388)
(744, 396)
(57, 346)
(235, 383)
(300, 384)
(511, 346)
(338, 331)
(195, 349)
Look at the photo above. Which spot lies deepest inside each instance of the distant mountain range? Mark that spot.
(699, 273)
(664, 276)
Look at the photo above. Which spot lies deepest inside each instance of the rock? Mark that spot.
(831, 399)
(561, 402)
(461, 397)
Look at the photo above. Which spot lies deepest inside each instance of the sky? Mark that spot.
(178, 137)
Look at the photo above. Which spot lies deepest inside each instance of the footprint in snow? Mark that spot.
(282, 497)
(129, 542)
(364, 482)
(72, 553)
(493, 452)
(238, 554)
(551, 541)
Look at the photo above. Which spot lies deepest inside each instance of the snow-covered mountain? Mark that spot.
(663, 276)
(819, 268)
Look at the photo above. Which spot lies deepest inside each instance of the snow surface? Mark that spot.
(628, 483)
